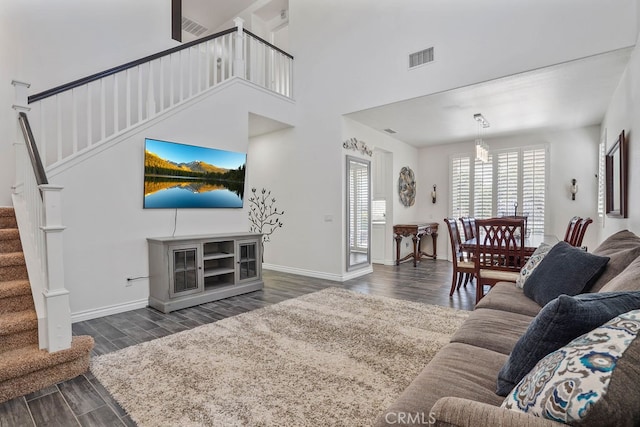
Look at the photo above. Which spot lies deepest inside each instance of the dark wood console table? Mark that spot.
(416, 231)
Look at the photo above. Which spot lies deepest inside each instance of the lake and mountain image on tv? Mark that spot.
(188, 176)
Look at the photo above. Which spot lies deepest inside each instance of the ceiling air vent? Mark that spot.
(419, 58)
(390, 131)
(193, 27)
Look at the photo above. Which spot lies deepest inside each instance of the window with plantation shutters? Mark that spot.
(534, 188)
(601, 182)
(359, 211)
(483, 189)
(512, 182)
(507, 183)
(460, 186)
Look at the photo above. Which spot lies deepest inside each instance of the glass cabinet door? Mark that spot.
(185, 272)
(248, 265)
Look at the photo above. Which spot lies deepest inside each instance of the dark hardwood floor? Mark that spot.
(84, 401)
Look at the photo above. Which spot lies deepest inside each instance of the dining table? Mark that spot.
(531, 243)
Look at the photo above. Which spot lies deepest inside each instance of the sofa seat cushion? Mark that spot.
(564, 270)
(627, 280)
(622, 248)
(458, 370)
(492, 329)
(592, 381)
(505, 296)
(559, 322)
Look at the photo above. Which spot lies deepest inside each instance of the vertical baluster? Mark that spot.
(290, 75)
(281, 73)
(103, 111)
(190, 71)
(74, 118)
(139, 93)
(89, 116)
(172, 98)
(230, 56)
(208, 56)
(151, 101)
(161, 84)
(59, 120)
(181, 79)
(115, 103)
(128, 96)
(215, 62)
(199, 67)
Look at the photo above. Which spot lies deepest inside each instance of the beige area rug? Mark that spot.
(333, 357)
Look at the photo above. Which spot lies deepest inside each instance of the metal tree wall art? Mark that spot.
(263, 214)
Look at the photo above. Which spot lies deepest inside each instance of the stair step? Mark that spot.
(6, 211)
(8, 222)
(12, 266)
(11, 259)
(19, 321)
(29, 369)
(14, 288)
(10, 240)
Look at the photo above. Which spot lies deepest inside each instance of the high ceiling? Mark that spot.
(563, 96)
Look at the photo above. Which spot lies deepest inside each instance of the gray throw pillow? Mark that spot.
(558, 323)
(564, 270)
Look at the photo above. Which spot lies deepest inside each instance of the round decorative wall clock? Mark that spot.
(407, 186)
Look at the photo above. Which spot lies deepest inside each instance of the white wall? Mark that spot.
(572, 154)
(624, 114)
(107, 228)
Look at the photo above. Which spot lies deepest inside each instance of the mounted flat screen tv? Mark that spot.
(188, 176)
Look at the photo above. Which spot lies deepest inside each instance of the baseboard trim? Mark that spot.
(109, 310)
(319, 274)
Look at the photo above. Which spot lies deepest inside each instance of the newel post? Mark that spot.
(21, 104)
(56, 296)
(238, 60)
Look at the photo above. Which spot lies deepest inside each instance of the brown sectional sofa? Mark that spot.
(458, 386)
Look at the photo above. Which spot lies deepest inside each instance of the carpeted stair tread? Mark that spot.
(11, 323)
(9, 234)
(24, 360)
(6, 212)
(11, 259)
(14, 288)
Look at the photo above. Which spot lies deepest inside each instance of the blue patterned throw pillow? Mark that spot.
(588, 379)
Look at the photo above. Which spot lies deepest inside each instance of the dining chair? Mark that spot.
(468, 227)
(580, 230)
(524, 216)
(571, 228)
(463, 269)
(499, 252)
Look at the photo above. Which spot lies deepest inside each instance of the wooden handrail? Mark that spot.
(32, 149)
(267, 43)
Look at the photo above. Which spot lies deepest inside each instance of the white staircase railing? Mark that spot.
(37, 207)
(73, 118)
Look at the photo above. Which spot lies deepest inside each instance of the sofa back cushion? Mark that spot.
(622, 248)
(627, 280)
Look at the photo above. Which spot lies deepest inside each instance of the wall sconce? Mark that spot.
(573, 189)
(433, 194)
